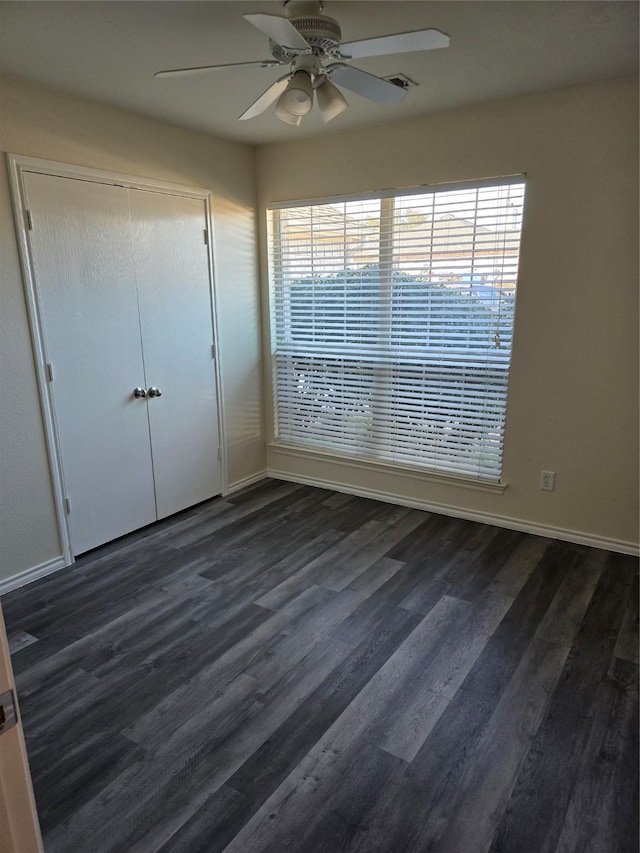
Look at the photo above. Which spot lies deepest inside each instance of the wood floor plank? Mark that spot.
(375, 575)
(115, 703)
(433, 530)
(562, 620)
(202, 831)
(542, 790)
(35, 653)
(627, 645)
(101, 638)
(298, 639)
(290, 668)
(397, 589)
(602, 812)
(500, 752)
(375, 706)
(19, 640)
(150, 728)
(230, 749)
(445, 559)
(427, 801)
(267, 768)
(468, 581)
(118, 803)
(263, 541)
(337, 500)
(344, 572)
(289, 588)
(349, 800)
(284, 493)
(360, 511)
(235, 591)
(518, 568)
(430, 574)
(157, 634)
(403, 730)
(344, 735)
(190, 763)
(320, 804)
(80, 774)
(448, 753)
(55, 697)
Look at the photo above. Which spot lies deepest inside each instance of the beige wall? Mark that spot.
(573, 404)
(39, 122)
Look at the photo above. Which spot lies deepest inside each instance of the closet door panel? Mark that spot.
(85, 281)
(172, 271)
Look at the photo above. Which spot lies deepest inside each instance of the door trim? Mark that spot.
(17, 165)
(17, 804)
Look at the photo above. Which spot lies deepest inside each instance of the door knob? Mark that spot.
(139, 392)
(154, 392)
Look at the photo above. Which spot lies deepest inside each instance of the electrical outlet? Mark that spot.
(547, 480)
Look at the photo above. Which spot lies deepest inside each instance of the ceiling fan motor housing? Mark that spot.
(323, 34)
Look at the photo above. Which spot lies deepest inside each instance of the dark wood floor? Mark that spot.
(293, 669)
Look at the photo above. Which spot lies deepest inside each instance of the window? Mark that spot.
(392, 322)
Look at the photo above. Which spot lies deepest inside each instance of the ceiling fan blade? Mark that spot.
(266, 99)
(367, 85)
(176, 72)
(398, 43)
(280, 30)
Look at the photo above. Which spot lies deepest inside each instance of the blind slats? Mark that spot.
(392, 323)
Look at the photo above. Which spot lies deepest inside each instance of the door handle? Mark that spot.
(139, 392)
(154, 392)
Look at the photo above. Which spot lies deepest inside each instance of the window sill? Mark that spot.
(391, 468)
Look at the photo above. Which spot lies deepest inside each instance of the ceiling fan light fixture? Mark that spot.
(331, 101)
(284, 115)
(297, 98)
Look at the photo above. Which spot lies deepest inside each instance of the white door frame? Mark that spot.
(17, 165)
(19, 825)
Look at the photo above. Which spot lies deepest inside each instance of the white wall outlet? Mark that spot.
(547, 480)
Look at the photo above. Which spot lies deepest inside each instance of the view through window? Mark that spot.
(392, 324)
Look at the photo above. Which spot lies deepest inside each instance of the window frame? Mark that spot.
(465, 357)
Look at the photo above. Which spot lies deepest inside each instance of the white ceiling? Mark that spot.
(108, 51)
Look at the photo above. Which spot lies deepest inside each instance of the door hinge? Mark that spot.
(49, 371)
(28, 220)
(67, 506)
(213, 351)
(206, 237)
(219, 454)
(8, 715)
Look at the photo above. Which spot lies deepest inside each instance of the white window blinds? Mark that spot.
(392, 321)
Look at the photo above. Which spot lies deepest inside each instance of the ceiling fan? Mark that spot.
(310, 44)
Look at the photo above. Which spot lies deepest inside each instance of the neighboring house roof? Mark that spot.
(428, 245)
(328, 224)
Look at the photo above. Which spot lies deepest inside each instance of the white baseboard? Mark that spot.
(575, 536)
(32, 574)
(246, 481)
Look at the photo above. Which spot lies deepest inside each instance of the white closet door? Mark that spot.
(85, 280)
(172, 271)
